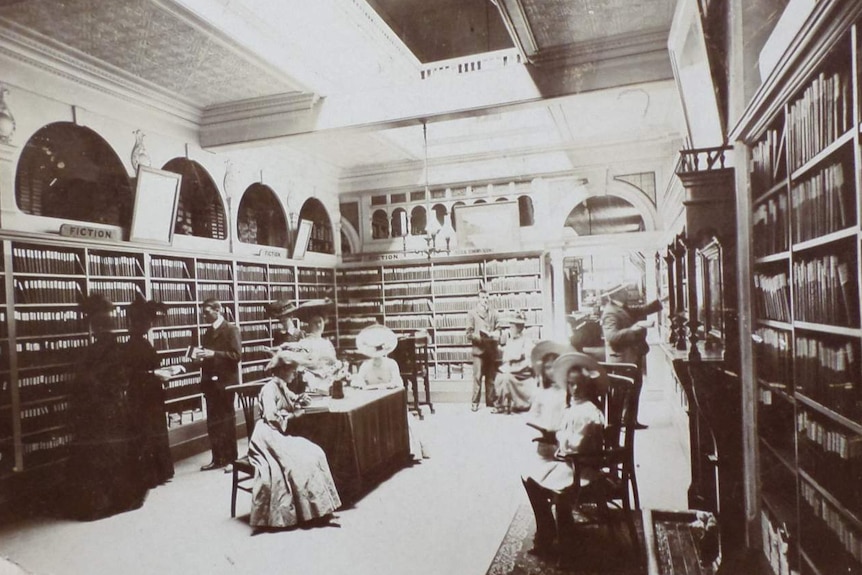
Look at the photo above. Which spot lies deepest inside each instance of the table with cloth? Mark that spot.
(363, 435)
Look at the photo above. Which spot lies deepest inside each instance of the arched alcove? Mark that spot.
(452, 213)
(440, 212)
(321, 240)
(418, 221)
(260, 219)
(599, 215)
(379, 225)
(526, 215)
(399, 223)
(200, 211)
(68, 171)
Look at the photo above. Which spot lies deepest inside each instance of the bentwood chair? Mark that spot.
(633, 372)
(611, 488)
(243, 470)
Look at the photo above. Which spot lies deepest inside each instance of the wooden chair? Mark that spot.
(611, 489)
(243, 470)
(632, 372)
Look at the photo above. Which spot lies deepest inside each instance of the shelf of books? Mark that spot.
(42, 332)
(805, 177)
(436, 298)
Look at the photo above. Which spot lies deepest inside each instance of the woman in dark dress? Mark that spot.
(104, 474)
(147, 392)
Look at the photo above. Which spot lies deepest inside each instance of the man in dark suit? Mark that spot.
(483, 333)
(219, 353)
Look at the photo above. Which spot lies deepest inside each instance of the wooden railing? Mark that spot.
(704, 160)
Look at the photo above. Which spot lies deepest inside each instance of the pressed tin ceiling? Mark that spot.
(141, 38)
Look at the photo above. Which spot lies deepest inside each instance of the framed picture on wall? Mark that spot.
(156, 197)
(303, 234)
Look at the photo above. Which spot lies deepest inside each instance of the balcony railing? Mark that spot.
(470, 64)
(704, 160)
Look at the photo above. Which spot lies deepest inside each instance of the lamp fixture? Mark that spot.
(433, 228)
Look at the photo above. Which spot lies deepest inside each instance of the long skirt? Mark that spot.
(292, 480)
(515, 390)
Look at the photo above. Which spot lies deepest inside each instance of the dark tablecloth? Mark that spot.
(363, 435)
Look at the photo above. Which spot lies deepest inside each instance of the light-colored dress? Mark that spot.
(516, 383)
(385, 372)
(319, 372)
(581, 426)
(546, 412)
(292, 480)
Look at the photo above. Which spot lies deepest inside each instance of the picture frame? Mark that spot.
(303, 235)
(157, 196)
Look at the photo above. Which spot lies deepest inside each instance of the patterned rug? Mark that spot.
(598, 552)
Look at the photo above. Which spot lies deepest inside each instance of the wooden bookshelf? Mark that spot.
(436, 297)
(805, 166)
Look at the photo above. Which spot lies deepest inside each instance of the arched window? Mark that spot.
(452, 214)
(379, 225)
(440, 212)
(68, 171)
(418, 221)
(605, 215)
(260, 218)
(321, 240)
(525, 211)
(501, 199)
(480, 201)
(200, 211)
(399, 223)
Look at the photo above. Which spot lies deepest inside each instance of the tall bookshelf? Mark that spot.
(42, 332)
(436, 297)
(805, 186)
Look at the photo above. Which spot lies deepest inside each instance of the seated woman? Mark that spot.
(292, 480)
(515, 382)
(552, 484)
(376, 342)
(323, 365)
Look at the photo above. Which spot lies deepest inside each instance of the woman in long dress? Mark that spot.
(515, 383)
(376, 342)
(292, 481)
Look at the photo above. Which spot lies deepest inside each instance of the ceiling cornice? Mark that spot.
(41, 52)
(276, 105)
(608, 48)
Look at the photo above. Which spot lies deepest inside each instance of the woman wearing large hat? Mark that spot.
(376, 342)
(515, 381)
(292, 481)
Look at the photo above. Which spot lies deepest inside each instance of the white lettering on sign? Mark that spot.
(90, 233)
(273, 253)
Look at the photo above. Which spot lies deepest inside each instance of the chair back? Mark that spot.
(247, 394)
(620, 410)
(633, 372)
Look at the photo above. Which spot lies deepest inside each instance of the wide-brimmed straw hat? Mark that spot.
(376, 341)
(281, 308)
(313, 307)
(546, 346)
(288, 357)
(567, 361)
(515, 317)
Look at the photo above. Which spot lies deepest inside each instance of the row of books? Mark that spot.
(819, 116)
(513, 266)
(411, 273)
(842, 443)
(767, 160)
(252, 372)
(50, 351)
(315, 292)
(40, 322)
(358, 293)
(770, 226)
(824, 291)
(360, 308)
(254, 331)
(457, 271)
(42, 384)
(315, 276)
(255, 352)
(774, 355)
(827, 373)
(174, 339)
(169, 268)
(172, 292)
(222, 292)
(459, 304)
(458, 288)
(180, 315)
(117, 291)
(455, 354)
(523, 283)
(451, 338)
(408, 306)
(359, 276)
(281, 275)
(822, 204)
(277, 292)
(48, 291)
(43, 261)
(408, 290)
(48, 409)
(249, 273)
(114, 265)
(518, 301)
(253, 312)
(52, 442)
(252, 292)
(776, 543)
(772, 296)
(218, 271)
(850, 538)
(409, 322)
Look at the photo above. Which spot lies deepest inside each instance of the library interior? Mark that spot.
(433, 286)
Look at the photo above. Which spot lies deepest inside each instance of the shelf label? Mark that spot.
(91, 232)
(273, 253)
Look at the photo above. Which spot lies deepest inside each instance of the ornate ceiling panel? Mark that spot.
(145, 40)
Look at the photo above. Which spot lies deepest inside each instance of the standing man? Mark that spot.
(624, 327)
(219, 353)
(482, 331)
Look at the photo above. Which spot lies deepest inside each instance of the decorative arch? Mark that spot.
(526, 215)
(321, 240)
(600, 215)
(201, 210)
(379, 225)
(69, 171)
(633, 196)
(418, 221)
(399, 223)
(261, 219)
(440, 212)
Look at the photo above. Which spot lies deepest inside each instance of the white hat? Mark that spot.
(376, 341)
